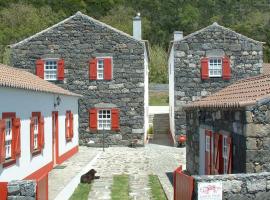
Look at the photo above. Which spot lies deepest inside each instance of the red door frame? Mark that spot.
(208, 153)
(55, 143)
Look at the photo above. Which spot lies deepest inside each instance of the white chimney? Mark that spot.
(177, 35)
(137, 27)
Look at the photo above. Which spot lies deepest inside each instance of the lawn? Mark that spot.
(81, 192)
(120, 188)
(156, 188)
(158, 99)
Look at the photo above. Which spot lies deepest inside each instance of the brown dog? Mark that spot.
(89, 176)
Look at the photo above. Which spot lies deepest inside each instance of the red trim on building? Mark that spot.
(41, 173)
(67, 155)
(8, 115)
(3, 190)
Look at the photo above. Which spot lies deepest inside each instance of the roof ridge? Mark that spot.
(78, 13)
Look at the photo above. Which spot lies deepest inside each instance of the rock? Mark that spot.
(256, 185)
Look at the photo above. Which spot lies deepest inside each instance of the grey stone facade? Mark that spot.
(21, 190)
(245, 54)
(239, 186)
(250, 132)
(78, 39)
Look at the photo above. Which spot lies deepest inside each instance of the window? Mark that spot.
(35, 133)
(100, 69)
(69, 125)
(104, 119)
(207, 144)
(50, 70)
(8, 137)
(225, 153)
(215, 67)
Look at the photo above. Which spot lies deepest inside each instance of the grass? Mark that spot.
(156, 188)
(81, 192)
(120, 188)
(158, 99)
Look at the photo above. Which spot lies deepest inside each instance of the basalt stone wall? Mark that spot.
(77, 40)
(239, 186)
(250, 131)
(246, 58)
(22, 190)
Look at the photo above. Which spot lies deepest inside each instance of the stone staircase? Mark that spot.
(161, 123)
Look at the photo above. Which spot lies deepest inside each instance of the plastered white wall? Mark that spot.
(24, 102)
(171, 91)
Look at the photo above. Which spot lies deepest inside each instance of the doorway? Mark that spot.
(54, 137)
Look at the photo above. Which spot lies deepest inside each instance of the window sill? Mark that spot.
(9, 162)
(36, 152)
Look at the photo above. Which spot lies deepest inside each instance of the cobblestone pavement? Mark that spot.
(138, 163)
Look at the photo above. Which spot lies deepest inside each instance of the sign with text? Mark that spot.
(210, 191)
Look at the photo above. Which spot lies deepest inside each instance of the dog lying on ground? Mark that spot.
(89, 176)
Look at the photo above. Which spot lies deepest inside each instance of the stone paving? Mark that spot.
(138, 163)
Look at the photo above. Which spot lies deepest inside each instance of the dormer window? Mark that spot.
(215, 67)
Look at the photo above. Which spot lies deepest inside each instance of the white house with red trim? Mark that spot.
(204, 62)
(38, 128)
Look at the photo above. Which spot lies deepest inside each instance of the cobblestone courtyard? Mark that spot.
(138, 163)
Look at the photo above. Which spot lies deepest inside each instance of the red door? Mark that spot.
(55, 137)
(208, 152)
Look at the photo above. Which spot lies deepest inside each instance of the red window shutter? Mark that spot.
(216, 154)
(41, 133)
(60, 70)
(108, 69)
(229, 143)
(226, 68)
(2, 141)
(71, 124)
(221, 162)
(204, 69)
(66, 125)
(93, 69)
(40, 68)
(32, 123)
(16, 138)
(93, 119)
(115, 119)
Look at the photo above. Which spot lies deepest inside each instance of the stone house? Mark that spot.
(38, 128)
(204, 62)
(229, 131)
(107, 66)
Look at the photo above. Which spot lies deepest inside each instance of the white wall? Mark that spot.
(146, 94)
(171, 90)
(24, 102)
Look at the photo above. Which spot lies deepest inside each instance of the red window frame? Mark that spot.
(6, 115)
(69, 123)
(38, 150)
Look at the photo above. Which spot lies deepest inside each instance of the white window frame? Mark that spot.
(8, 138)
(36, 128)
(53, 72)
(103, 121)
(225, 153)
(100, 69)
(215, 67)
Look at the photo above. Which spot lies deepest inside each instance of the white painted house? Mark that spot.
(38, 128)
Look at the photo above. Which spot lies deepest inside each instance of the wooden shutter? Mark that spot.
(16, 138)
(93, 69)
(93, 119)
(221, 162)
(66, 125)
(226, 68)
(32, 124)
(115, 119)
(40, 68)
(71, 124)
(204, 69)
(229, 143)
(107, 68)
(60, 70)
(2, 141)
(218, 160)
(41, 133)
